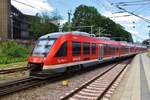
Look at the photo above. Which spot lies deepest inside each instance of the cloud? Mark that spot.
(129, 22)
(32, 6)
(133, 32)
(128, 25)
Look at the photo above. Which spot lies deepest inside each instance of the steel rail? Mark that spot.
(17, 85)
(21, 84)
(73, 94)
(13, 70)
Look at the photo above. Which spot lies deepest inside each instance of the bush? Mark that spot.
(11, 52)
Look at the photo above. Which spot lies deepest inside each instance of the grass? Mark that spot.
(12, 52)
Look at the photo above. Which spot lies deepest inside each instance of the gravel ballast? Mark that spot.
(13, 76)
(53, 91)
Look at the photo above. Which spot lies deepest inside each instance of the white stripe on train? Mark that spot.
(81, 62)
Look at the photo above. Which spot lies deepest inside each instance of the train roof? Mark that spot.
(103, 40)
(58, 34)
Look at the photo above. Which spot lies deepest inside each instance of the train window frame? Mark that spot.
(76, 52)
(111, 50)
(86, 48)
(63, 50)
(105, 49)
(93, 48)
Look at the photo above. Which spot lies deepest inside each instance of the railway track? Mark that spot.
(17, 85)
(14, 86)
(8, 71)
(98, 86)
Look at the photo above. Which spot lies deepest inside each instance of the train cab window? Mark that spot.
(86, 48)
(43, 47)
(93, 48)
(76, 48)
(62, 51)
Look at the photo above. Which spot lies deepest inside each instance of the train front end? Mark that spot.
(39, 55)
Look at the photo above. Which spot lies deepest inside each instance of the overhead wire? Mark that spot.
(133, 4)
(108, 5)
(121, 16)
(140, 1)
(143, 18)
(103, 5)
(140, 9)
(132, 13)
(98, 6)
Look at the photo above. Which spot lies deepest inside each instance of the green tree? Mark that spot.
(89, 16)
(55, 15)
(86, 16)
(43, 24)
(65, 26)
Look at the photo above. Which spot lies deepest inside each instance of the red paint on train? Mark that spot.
(76, 48)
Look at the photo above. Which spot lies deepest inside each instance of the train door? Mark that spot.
(100, 52)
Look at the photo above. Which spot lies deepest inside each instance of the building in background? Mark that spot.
(13, 23)
(21, 26)
(16, 25)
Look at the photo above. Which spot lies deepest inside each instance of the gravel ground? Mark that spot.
(53, 91)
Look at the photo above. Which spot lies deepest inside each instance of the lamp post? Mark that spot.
(69, 19)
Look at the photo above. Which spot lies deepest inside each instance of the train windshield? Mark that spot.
(42, 47)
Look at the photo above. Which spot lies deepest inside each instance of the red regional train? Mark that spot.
(69, 51)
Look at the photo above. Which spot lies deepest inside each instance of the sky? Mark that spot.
(138, 27)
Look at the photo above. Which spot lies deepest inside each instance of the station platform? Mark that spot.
(135, 84)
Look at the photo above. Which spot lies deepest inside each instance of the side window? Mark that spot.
(108, 49)
(117, 49)
(111, 49)
(105, 50)
(76, 48)
(62, 51)
(86, 48)
(93, 48)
